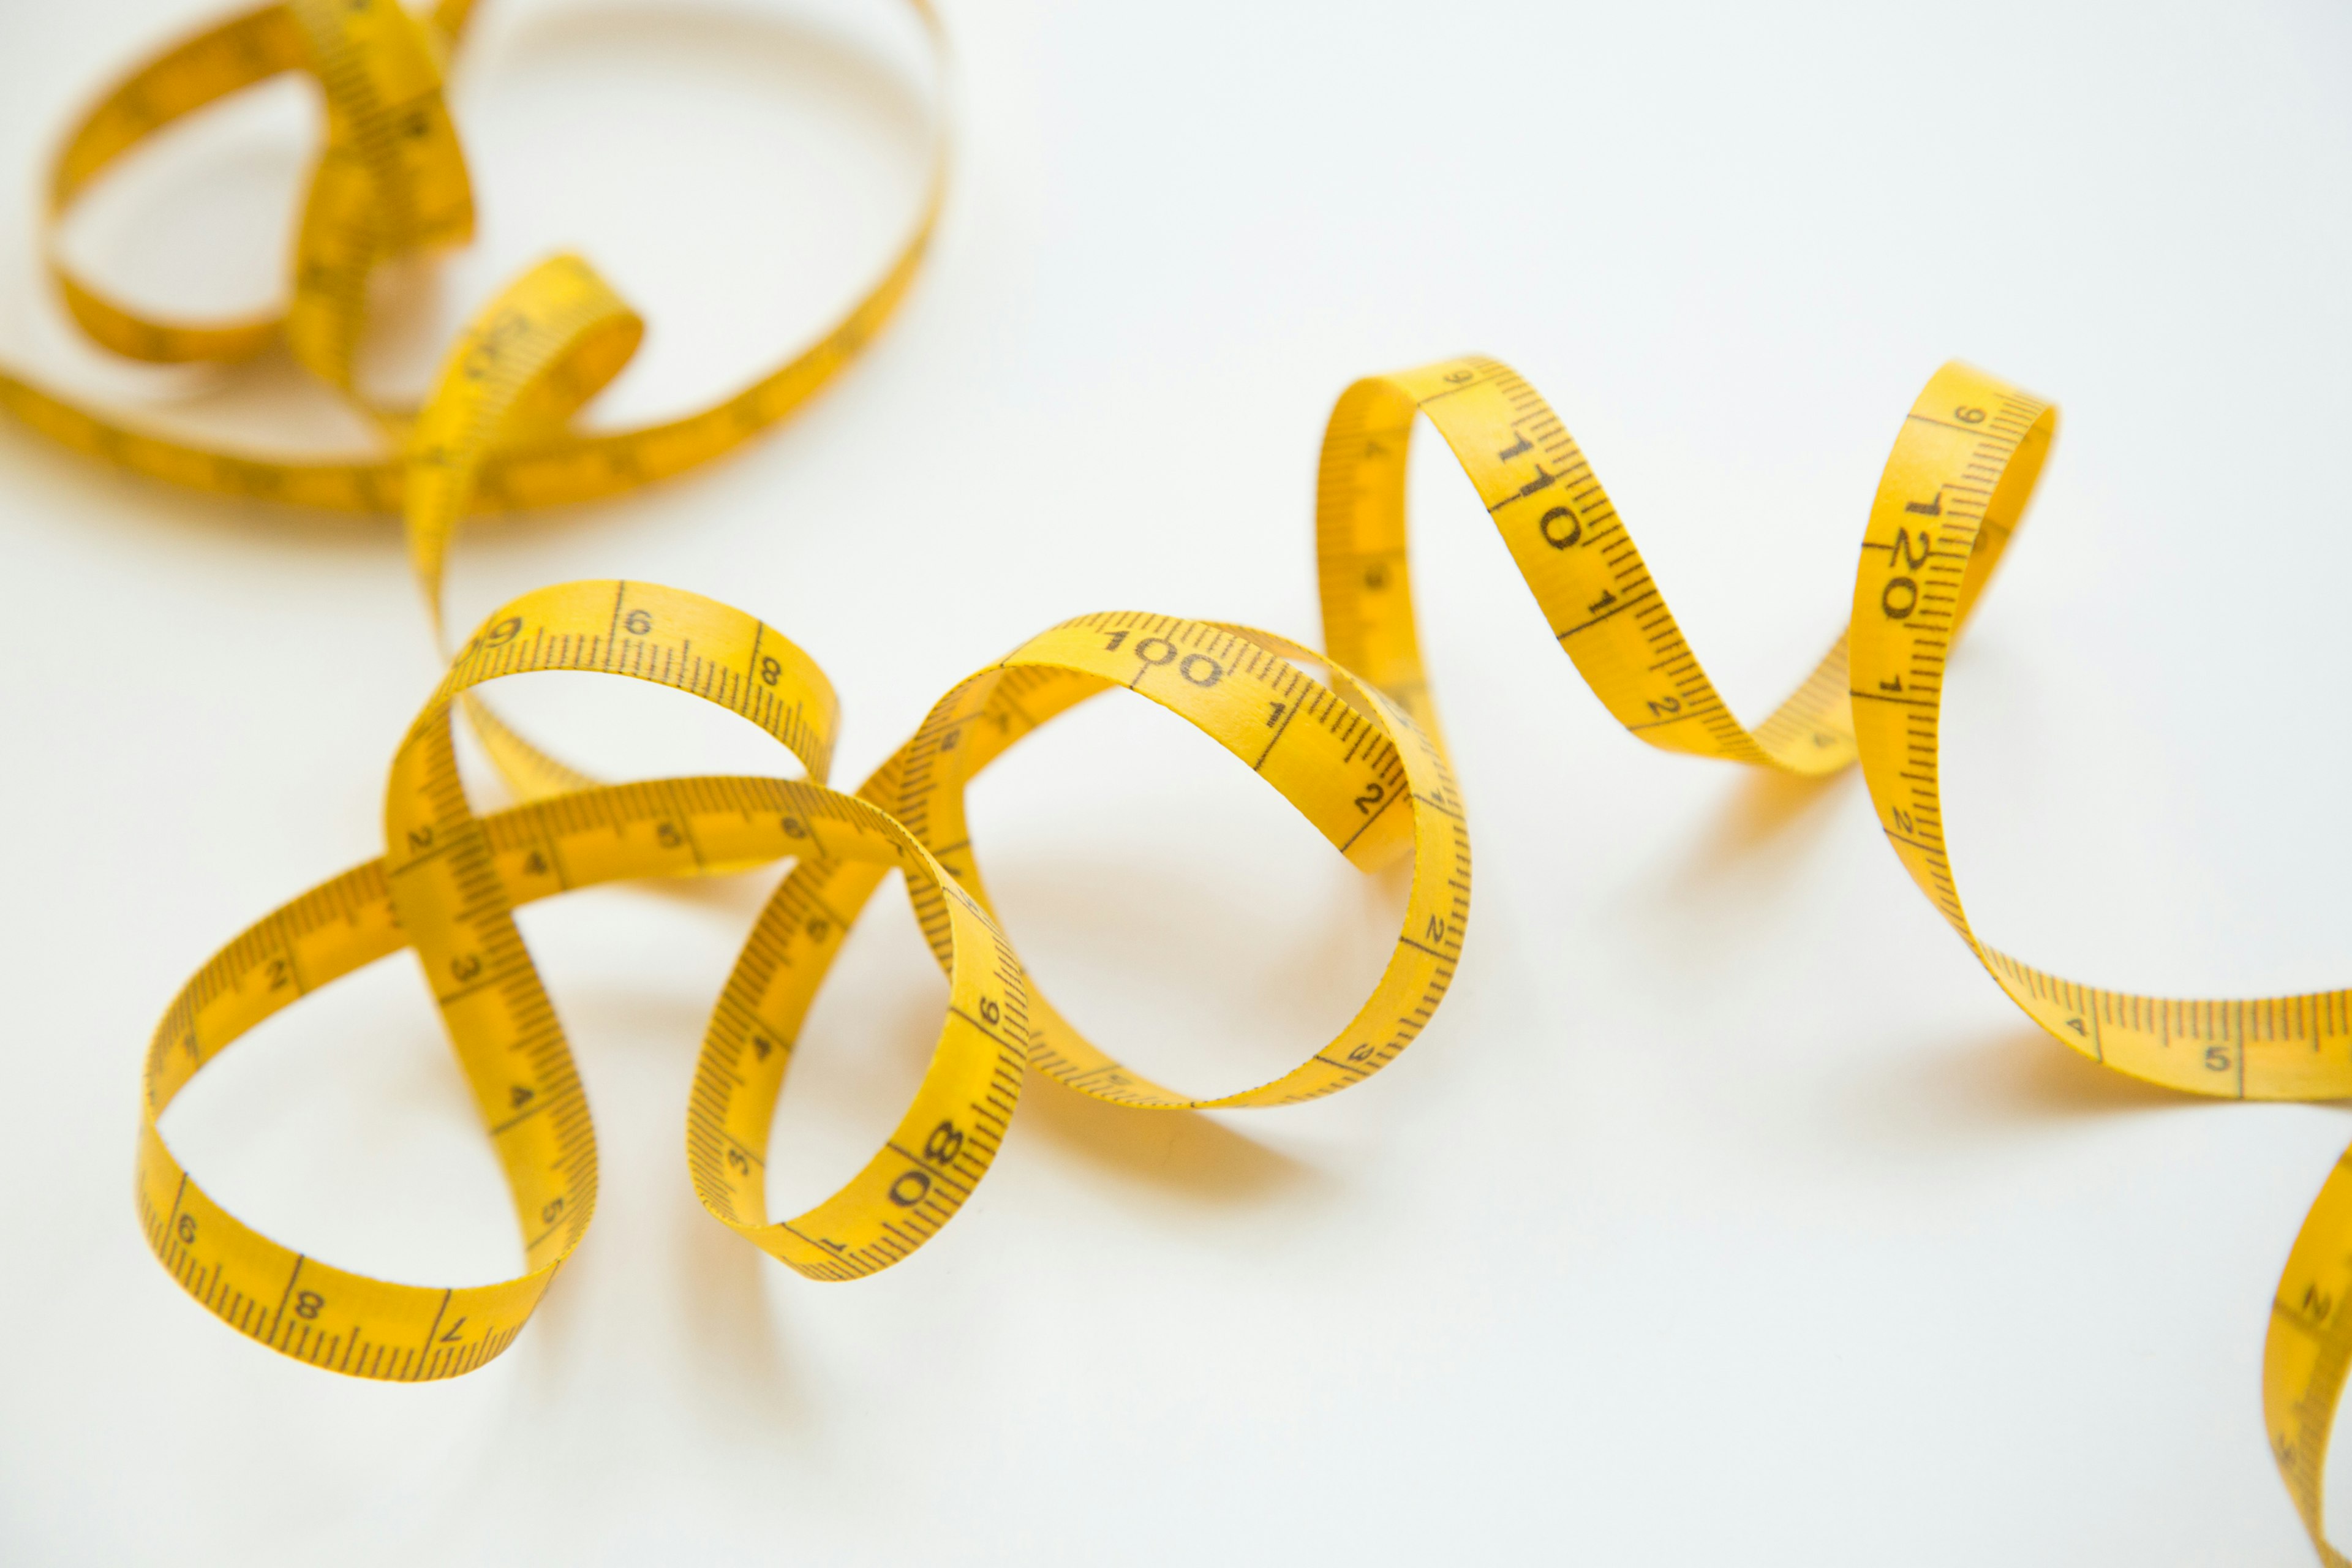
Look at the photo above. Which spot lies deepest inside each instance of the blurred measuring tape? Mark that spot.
(392, 182)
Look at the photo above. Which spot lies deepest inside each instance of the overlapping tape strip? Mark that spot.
(391, 182)
(1346, 757)
(1357, 752)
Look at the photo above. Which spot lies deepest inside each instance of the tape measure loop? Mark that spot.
(952, 1127)
(446, 889)
(214, 64)
(336, 1319)
(391, 179)
(286, 1299)
(452, 902)
(1368, 779)
(1953, 494)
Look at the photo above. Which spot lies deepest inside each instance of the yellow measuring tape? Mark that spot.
(1953, 492)
(391, 182)
(449, 881)
(1357, 752)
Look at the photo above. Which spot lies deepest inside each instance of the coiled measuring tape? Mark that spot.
(1953, 492)
(391, 181)
(1347, 758)
(1359, 755)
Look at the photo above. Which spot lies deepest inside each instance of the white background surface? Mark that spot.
(1726, 1209)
